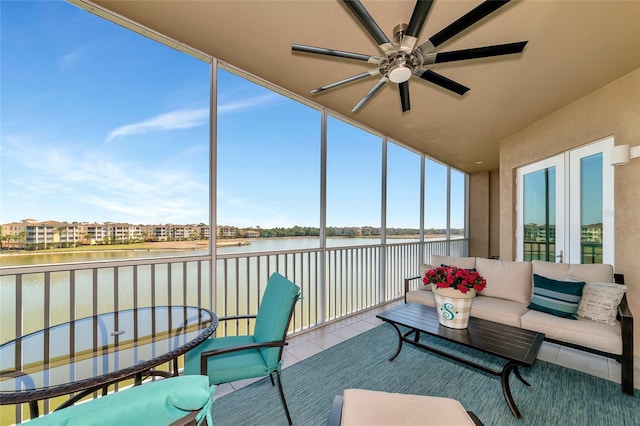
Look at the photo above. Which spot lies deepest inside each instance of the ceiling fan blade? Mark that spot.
(369, 24)
(462, 23)
(336, 53)
(369, 95)
(441, 81)
(403, 89)
(419, 15)
(346, 80)
(477, 52)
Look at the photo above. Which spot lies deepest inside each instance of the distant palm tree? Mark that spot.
(22, 237)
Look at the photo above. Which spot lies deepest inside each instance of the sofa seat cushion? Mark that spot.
(584, 332)
(487, 308)
(498, 310)
(422, 297)
(368, 407)
(593, 272)
(506, 280)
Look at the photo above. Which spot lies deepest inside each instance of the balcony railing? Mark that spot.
(335, 283)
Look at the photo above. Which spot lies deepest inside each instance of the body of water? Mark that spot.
(257, 245)
(167, 284)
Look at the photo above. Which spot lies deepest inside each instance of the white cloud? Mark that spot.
(187, 118)
(180, 119)
(249, 103)
(67, 183)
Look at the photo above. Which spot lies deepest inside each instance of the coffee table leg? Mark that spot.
(506, 389)
(399, 342)
(517, 371)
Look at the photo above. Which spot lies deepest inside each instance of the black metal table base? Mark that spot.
(503, 374)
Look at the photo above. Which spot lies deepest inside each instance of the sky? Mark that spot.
(98, 123)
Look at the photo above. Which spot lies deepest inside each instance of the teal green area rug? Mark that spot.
(557, 396)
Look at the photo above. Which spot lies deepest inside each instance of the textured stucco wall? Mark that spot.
(611, 110)
(479, 229)
(494, 214)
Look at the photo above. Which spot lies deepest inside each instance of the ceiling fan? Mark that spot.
(402, 59)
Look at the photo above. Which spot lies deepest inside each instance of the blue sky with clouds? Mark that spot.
(101, 124)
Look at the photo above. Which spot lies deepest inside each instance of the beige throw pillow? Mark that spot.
(600, 302)
(423, 270)
(458, 262)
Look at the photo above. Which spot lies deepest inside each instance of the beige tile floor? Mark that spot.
(312, 342)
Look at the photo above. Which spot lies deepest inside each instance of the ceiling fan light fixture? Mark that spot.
(400, 74)
(399, 70)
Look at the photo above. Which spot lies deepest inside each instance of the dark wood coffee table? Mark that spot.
(517, 346)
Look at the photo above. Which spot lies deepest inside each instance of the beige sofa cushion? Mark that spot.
(506, 280)
(422, 297)
(498, 310)
(371, 408)
(601, 273)
(582, 331)
(460, 262)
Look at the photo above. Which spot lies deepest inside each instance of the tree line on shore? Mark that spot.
(332, 231)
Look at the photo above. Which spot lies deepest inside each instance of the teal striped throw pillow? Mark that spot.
(559, 298)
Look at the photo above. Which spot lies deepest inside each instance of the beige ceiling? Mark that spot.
(575, 47)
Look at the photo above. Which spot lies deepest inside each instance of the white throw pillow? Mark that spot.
(600, 302)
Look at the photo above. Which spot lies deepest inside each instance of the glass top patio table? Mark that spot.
(89, 353)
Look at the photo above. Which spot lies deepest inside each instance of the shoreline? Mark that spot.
(136, 247)
(159, 246)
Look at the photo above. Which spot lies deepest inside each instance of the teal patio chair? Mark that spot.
(227, 359)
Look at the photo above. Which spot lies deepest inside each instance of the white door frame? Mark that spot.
(603, 146)
(568, 218)
(559, 163)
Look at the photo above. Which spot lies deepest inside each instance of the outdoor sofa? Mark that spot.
(603, 323)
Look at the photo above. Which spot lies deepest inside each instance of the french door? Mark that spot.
(565, 210)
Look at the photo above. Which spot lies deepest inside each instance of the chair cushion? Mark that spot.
(559, 298)
(227, 367)
(372, 408)
(274, 314)
(156, 403)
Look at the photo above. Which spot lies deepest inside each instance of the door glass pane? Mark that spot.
(591, 208)
(539, 215)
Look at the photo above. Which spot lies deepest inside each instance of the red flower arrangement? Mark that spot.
(460, 279)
